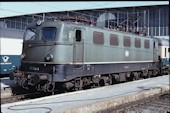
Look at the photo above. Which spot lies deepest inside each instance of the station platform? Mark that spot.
(6, 83)
(92, 100)
(6, 87)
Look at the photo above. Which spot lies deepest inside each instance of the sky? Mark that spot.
(9, 9)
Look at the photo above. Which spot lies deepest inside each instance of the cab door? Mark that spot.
(78, 47)
(155, 51)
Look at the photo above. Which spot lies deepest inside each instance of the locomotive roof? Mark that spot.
(101, 28)
(85, 25)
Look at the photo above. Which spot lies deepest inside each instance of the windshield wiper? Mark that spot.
(32, 37)
(43, 38)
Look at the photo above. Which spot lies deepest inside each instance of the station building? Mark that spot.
(153, 19)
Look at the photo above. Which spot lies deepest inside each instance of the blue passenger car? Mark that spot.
(10, 51)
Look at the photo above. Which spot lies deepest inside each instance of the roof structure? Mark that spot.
(10, 9)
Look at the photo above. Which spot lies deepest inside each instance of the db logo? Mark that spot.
(5, 58)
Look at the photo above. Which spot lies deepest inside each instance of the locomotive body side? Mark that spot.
(122, 52)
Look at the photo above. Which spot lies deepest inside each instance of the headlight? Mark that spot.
(43, 77)
(23, 56)
(49, 57)
(39, 22)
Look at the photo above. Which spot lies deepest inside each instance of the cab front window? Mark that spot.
(30, 34)
(49, 33)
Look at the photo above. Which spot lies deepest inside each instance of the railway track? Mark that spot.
(157, 104)
(19, 94)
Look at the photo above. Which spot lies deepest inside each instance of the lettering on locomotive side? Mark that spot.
(34, 68)
(126, 67)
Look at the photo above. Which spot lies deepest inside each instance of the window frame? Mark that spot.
(51, 39)
(127, 41)
(137, 44)
(145, 44)
(30, 34)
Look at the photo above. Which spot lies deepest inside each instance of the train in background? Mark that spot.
(10, 50)
(164, 54)
(69, 55)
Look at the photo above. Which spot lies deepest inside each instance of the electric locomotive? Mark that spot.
(76, 56)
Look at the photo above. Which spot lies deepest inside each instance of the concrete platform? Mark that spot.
(6, 83)
(92, 100)
(6, 87)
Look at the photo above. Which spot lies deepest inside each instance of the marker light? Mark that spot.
(39, 22)
(49, 57)
(23, 56)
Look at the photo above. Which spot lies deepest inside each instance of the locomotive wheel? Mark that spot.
(136, 75)
(149, 74)
(49, 87)
(101, 82)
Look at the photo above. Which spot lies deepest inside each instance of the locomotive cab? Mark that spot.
(47, 48)
(40, 41)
